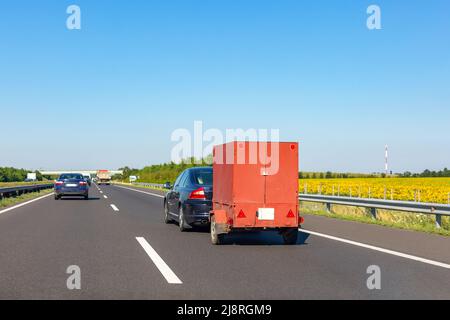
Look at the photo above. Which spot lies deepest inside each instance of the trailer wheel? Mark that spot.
(216, 239)
(290, 236)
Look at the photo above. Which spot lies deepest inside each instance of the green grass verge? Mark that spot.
(139, 186)
(387, 218)
(16, 184)
(7, 202)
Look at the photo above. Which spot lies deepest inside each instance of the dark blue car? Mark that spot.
(71, 184)
(190, 199)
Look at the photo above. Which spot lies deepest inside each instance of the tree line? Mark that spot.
(427, 174)
(334, 175)
(8, 174)
(160, 173)
(168, 172)
(165, 172)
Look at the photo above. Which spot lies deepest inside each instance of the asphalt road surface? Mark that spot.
(125, 251)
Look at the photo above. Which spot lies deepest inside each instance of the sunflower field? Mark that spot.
(433, 190)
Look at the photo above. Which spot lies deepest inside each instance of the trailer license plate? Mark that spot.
(266, 214)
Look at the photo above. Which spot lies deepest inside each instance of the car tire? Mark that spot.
(216, 239)
(86, 197)
(290, 236)
(57, 197)
(181, 221)
(167, 219)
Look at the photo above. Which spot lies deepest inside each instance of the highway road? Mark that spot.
(125, 251)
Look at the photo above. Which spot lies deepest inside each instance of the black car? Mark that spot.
(190, 199)
(88, 179)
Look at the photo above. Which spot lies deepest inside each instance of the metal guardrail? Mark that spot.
(152, 185)
(19, 190)
(373, 205)
(436, 209)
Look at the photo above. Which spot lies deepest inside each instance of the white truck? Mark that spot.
(103, 177)
(31, 177)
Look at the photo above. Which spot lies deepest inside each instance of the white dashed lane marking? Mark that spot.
(165, 270)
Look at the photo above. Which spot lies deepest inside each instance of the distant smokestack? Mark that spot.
(386, 163)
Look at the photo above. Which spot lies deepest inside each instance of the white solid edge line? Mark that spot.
(391, 252)
(114, 207)
(152, 194)
(25, 203)
(165, 270)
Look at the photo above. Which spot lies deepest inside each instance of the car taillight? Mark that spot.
(198, 194)
(82, 183)
(59, 183)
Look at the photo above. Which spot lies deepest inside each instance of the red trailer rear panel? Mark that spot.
(256, 185)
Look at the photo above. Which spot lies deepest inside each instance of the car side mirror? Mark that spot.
(167, 185)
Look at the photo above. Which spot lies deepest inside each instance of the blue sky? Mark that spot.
(112, 93)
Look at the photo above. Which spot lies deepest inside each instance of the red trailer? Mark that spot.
(255, 187)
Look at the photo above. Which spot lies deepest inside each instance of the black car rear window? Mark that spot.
(71, 176)
(204, 178)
